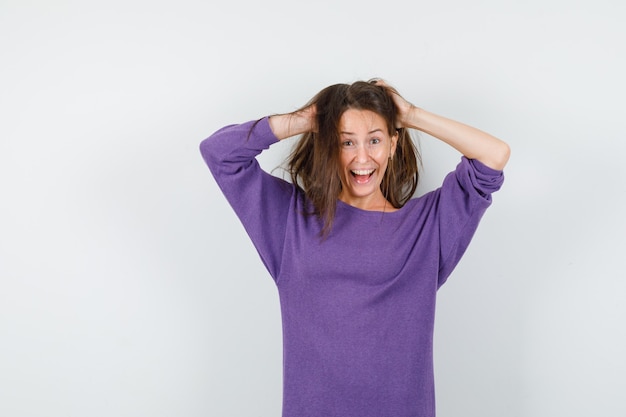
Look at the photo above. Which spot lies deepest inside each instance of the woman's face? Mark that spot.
(365, 151)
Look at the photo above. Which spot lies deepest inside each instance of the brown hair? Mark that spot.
(314, 162)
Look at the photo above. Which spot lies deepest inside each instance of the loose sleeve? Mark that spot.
(463, 199)
(260, 200)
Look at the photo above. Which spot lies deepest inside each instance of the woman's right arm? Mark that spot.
(261, 201)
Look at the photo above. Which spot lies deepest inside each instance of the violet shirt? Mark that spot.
(358, 307)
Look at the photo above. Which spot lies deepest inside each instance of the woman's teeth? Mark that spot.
(362, 171)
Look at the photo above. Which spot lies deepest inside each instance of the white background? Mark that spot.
(128, 286)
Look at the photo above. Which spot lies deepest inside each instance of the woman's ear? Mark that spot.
(394, 144)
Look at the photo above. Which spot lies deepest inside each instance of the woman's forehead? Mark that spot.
(361, 121)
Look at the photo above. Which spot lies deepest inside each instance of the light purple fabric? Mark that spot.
(357, 308)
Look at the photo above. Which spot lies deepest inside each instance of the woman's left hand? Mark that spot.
(404, 107)
(471, 142)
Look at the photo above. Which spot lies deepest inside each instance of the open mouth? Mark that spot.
(362, 176)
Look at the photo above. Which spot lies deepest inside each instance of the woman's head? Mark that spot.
(356, 152)
(365, 149)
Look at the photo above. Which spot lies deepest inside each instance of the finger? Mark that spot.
(382, 83)
(379, 82)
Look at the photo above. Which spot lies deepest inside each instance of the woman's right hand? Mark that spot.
(296, 123)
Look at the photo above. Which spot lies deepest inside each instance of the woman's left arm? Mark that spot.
(471, 142)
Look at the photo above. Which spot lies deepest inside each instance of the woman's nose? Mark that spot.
(362, 153)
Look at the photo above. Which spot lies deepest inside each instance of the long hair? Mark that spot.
(314, 161)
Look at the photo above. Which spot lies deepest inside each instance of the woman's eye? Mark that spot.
(375, 141)
(347, 143)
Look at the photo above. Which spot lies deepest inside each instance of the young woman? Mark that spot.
(357, 261)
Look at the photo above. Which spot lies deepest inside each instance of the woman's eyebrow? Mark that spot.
(343, 132)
